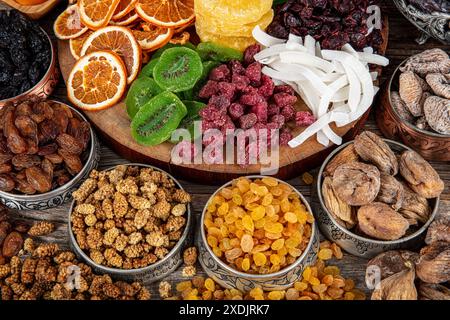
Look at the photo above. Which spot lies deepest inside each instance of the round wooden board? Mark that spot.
(113, 125)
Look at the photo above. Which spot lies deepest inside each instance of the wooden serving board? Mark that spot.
(34, 12)
(113, 125)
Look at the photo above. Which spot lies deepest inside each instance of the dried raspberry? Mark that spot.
(267, 86)
(285, 137)
(304, 118)
(211, 113)
(253, 72)
(208, 90)
(272, 110)
(250, 53)
(236, 110)
(250, 90)
(240, 81)
(247, 121)
(278, 120)
(284, 89)
(227, 89)
(236, 67)
(252, 99)
(288, 112)
(284, 99)
(261, 111)
(220, 102)
(220, 73)
(206, 125)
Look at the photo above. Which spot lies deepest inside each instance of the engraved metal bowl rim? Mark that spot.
(250, 275)
(71, 182)
(397, 116)
(358, 237)
(43, 80)
(151, 267)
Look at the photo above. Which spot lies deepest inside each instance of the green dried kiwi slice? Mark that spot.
(141, 91)
(188, 122)
(160, 51)
(157, 119)
(147, 71)
(178, 69)
(215, 52)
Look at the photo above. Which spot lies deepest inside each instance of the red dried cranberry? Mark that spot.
(236, 67)
(236, 110)
(278, 120)
(253, 72)
(304, 118)
(208, 90)
(250, 52)
(240, 81)
(273, 110)
(220, 73)
(284, 99)
(211, 113)
(285, 89)
(285, 137)
(261, 111)
(206, 125)
(288, 112)
(221, 102)
(247, 121)
(227, 89)
(267, 86)
(251, 99)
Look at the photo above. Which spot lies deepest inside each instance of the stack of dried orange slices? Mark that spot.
(112, 38)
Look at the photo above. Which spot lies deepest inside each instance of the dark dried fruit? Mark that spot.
(439, 230)
(6, 183)
(23, 161)
(346, 155)
(399, 286)
(392, 262)
(69, 143)
(433, 265)
(72, 162)
(415, 208)
(12, 244)
(38, 179)
(391, 192)
(428, 291)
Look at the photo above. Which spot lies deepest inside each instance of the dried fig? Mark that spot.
(69, 143)
(433, 265)
(420, 175)
(12, 244)
(72, 161)
(431, 55)
(401, 108)
(346, 155)
(437, 114)
(391, 191)
(439, 84)
(392, 262)
(399, 286)
(7, 184)
(343, 213)
(379, 221)
(414, 208)
(38, 179)
(356, 183)
(422, 124)
(410, 89)
(373, 149)
(23, 161)
(439, 230)
(428, 291)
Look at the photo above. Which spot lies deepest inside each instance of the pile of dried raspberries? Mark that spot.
(129, 217)
(43, 144)
(332, 23)
(240, 96)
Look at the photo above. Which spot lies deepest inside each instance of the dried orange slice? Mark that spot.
(126, 20)
(123, 8)
(166, 13)
(68, 24)
(181, 38)
(152, 37)
(97, 13)
(77, 43)
(119, 40)
(97, 81)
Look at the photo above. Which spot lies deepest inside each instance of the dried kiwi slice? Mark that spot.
(157, 119)
(147, 71)
(140, 92)
(193, 109)
(178, 69)
(216, 52)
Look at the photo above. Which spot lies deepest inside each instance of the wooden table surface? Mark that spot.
(401, 45)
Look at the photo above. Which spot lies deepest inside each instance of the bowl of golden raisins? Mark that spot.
(257, 231)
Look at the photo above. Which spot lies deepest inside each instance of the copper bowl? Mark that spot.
(432, 146)
(45, 86)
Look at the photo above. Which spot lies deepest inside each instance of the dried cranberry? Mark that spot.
(285, 137)
(250, 52)
(227, 89)
(247, 121)
(288, 112)
(284, 89)
(252, 99)
(284, 99)
(208, 90)
(211, 113)
(236, 67)
(240, 81)
(272, 110)
(253, 72)
(236, 110)
(206, 125)
(267, 86)
(261, 111)
(220, 73)
(221, 102)
(278, 120)
(304, 118)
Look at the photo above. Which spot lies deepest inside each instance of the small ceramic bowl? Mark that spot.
(151, 273)
(355, 244)
(44, 88)
(432, 146)
(229, 277)
(59, 196)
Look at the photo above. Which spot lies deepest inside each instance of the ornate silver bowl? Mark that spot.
(434, 24)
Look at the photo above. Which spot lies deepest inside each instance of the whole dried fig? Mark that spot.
(439, 230)
(420, 175)
(415, 208)
(433, 265)
(12, 244)
(344, 214)
(346, 155)
(38, 179)
(437, 114)
(392, 262)
(439, 84)
(428, 291)
(391, 191)
(379, 221)
(373, 149)
(399, 286)
(401, 108)
(69, 143)
(410, 89)
(356, 183)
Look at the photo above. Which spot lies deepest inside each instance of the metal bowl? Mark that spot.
(229, 277)
(151, 273)
(435, 24)
(432, 146)
(59, 196)
(355, 244)
(44, 88)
